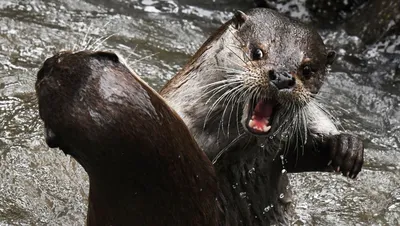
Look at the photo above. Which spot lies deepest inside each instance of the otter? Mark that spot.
(144, 167)
(248, 96)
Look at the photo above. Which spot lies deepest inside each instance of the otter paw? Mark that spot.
(346, 154)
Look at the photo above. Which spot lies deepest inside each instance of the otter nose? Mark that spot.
(282, 80)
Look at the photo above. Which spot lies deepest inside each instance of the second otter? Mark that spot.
(247, 96)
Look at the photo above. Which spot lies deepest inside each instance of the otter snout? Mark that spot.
(281, 80)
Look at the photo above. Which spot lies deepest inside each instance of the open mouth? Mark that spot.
(260, 116)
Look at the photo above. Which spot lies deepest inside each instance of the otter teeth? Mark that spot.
(256, 126)
(266, 128)
(252, 123)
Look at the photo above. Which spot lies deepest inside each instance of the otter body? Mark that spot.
(144, 167)
(247, 96)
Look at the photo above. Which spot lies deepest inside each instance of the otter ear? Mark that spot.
(111, 56)
(239, 18)
(330, 57)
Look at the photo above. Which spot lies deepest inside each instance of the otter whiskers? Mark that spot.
(219, 99)
(227, 89)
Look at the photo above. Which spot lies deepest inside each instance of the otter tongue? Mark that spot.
(260, 118)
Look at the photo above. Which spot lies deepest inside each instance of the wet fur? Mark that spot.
(144, 166)
(212, 90)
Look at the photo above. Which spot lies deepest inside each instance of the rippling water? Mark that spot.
(39, 186)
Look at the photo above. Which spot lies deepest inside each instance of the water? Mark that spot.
(39, 186)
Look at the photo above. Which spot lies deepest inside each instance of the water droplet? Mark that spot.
(252, 170)
(201, 189)
(243, 195)
(233, 186)
(262, 146)
(281, 196)
(179, 156)
(282, 160)
(284, 171)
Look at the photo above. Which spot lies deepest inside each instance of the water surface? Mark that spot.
(40, 186)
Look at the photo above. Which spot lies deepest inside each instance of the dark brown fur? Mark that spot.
(144, 166)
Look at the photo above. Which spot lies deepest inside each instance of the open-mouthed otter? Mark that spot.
(248, 97)
(144, 166)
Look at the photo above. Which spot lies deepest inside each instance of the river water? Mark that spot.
(40, 186)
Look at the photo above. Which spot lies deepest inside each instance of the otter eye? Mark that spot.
(257, 54)
(307, 71)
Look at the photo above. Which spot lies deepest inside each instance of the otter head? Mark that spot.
(64, 101)
(83, 101)
(52, 93)
(283, 65)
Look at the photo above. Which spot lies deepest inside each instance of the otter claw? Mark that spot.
(346, 154)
